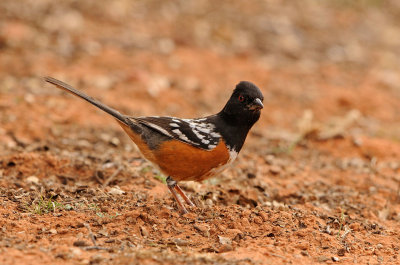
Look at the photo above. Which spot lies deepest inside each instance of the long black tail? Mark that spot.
(91, 100)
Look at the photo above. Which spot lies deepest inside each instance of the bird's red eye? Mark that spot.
(241, 98)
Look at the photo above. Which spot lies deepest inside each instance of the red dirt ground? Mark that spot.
(316, 182)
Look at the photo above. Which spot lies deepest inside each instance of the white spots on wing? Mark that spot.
(200, 136)
(183, 136)
(202, 132)
(215, 134)
(205, 141)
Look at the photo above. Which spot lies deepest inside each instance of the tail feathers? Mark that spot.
(120, 117)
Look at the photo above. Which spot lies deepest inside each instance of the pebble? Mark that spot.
(275, 170)
(76, 251)
(304, 253)
(258, 220)
(32, 179)
(341, 252)
(355, 226)
(302, 245)
(202, 228)
(270, 159)
(115, 141)
(96, 259)
(80, 243)
(225, 248)
(264, 216)
(116, 191)
(180, 242)
(224, 240)
(144, 231)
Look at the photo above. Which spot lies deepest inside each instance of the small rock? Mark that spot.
(32, 179)
(245, 222)
(53, 231)
(116, 191)
(302, 245)
(103, 82)
(225, 248)
(251, 175)
(224, 240)
(264, 216)
(355, 226)
(144, 231)
(29, 98)
(304, 253)
(209, 202)
(115, 141)
(81, 243)
(275, 170)
(76, 251)
(257, 220)
(180, 242)
(62, 255)
(341, 252)
(278, 205)
(335, 259)
(79, 225)
(157, 84)
(270, 159)
(96, 259)
(328, 230)
(203, 228)
(384, 213)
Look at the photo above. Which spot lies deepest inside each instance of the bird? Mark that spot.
(189, 149)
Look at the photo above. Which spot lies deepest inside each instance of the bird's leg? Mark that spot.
(173, 187)
(183, 195)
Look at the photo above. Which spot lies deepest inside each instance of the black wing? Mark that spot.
(197, 132)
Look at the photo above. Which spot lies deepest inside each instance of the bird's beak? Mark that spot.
(256, 104)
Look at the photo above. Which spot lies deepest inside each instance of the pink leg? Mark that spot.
(175, 190)
(183, 209)
(183, 195)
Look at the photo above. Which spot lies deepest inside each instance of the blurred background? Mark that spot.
(183, 58)
(327, 56)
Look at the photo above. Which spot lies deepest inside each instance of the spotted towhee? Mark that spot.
(189, 149)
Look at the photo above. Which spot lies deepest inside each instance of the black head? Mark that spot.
(244, 106)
